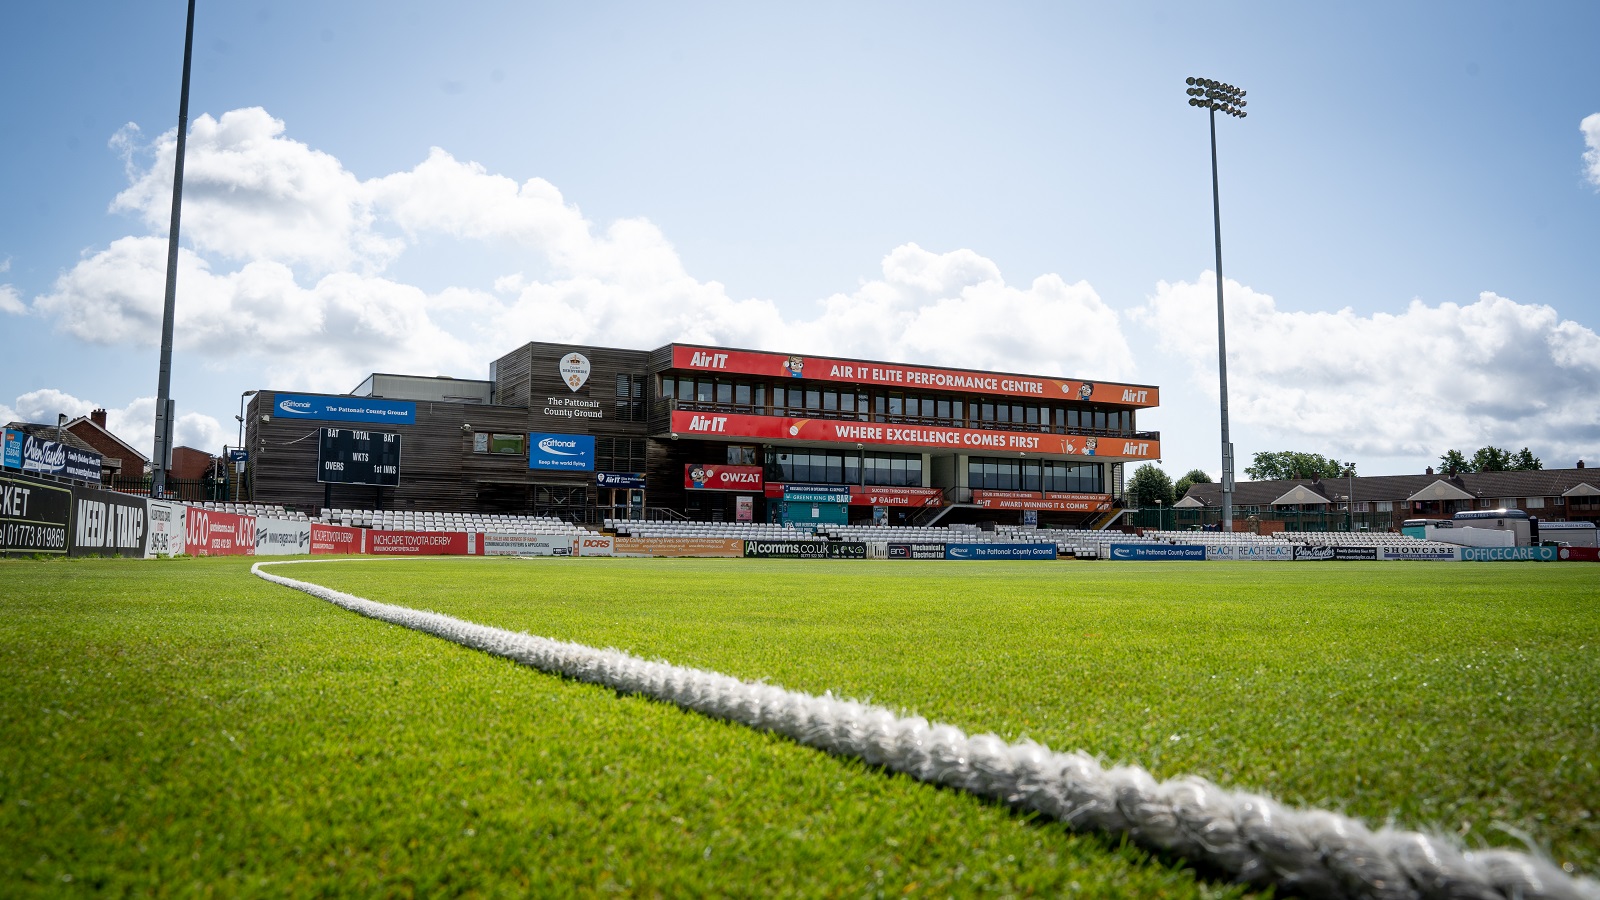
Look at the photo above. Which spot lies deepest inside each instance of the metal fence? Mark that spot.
(1167, 518)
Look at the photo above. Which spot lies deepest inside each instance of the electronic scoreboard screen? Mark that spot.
(350, 456)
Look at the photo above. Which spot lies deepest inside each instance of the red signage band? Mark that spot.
(698, 477)
(1047, 500)
(876, 495)
(971, 440)
(929, 378)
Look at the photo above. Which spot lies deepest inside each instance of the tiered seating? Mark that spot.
(1216, 538)
(751, 531)
(254, 509)
(410, 520)
(1358, 539)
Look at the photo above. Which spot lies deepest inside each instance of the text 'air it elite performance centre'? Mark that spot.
(707, 433)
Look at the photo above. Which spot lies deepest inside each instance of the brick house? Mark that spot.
(118, 457)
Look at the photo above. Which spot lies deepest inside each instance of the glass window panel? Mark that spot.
(986, 412)
(942, 409)
(897, 405)
(813, 399)
(830, 400)
(724, 392)
(669, 388)
(741, 394)
(761, 396)
(1100, 419)
(847, 402)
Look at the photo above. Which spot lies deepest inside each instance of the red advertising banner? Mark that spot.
(337, 539)
(1047, 500)
(819, 368)
(971, 440)
(698, 477)
(213, 533)
(418, 543)
(872, 495)
(1578, 554)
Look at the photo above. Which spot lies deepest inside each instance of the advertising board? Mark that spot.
(1052, 501)
(847, 550)
(999, 551)
(353, 456)
(164, 528)
(282, 537)
(699, 477)
(525, 544)
(1354, 554)
(1307, 552)
(783, 428)
(1508, 554)
(816, 493)
(34, 516)
(786, 549)
(1402, 551)
(1578, 554)
(593, 545)
(327, 539)
(214, 533)
(36, 455)
(345, 409)
(685, 546)
(107, 523)
(867, 495)
(561, 452)
(820, 368)
(633, 481)
(1158, 552)
(419, 543)
(1251, 552)
(916, 551)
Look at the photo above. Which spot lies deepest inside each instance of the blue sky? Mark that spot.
(1411, 227)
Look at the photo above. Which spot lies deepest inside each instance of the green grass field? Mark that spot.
(181, 727)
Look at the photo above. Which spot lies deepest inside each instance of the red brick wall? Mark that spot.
(108, 448)
(188, 463)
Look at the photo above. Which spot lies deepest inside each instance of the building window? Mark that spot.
(630, 398)
(1535, 503)
(619, 454)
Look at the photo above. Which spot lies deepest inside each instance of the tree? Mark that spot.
(1149, 484)
(1286, 464)
(1491, 459)
(1452, 463)
(1189, 479)
(1525, 461)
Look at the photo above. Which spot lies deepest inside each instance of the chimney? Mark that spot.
(1580, 463)
(1429, 472)
(98, 417)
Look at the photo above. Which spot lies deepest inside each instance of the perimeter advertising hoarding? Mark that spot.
(34, 516)
(107, 523)
(1251, 552)
(592, 545)
(353, 456)
(633, 481)
(786, 549)
(1306, 552)
(870, 495)
(526, 545)
(327, 539)
(687, 546)
(820, 368)
(1355, 553)
(421, 543)
(34, 454)
(213, 533)
(345, 409)
(1508, 554)
(698, 477)
(164, 527)
(816, 493)
(561, 452)
(916, 551)
(1578, 554)
(1401, 551)
(1158, 552)
(999, 551)
(834, 431)
(1042, 500)
(282, 537)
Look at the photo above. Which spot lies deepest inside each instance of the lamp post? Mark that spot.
(1350, 492)
(238, 476)
(1214, 96)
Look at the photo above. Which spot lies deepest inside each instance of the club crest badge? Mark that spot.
(575, 370)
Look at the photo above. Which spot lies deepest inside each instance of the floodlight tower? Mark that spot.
(1216, 97)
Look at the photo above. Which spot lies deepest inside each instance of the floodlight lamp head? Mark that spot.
(1189, 81)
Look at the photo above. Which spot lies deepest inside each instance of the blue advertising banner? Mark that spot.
(1509, 554)
(345, 409)
(627, 480)
(999, 551)
(35, 454)
(1164, 552)
(561, 452)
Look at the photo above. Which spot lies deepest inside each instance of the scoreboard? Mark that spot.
(349, 456)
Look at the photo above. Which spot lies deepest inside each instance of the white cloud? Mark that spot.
(134, 423)
(1411, 383)
(288, 252)
(11, 302)
(1590, 127)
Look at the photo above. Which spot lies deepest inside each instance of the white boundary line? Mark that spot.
(1253, 838)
